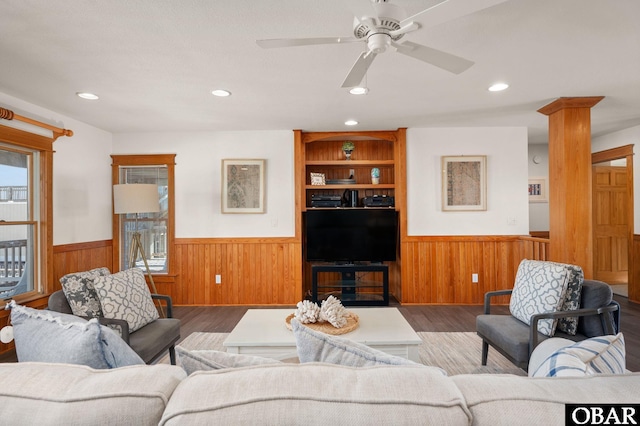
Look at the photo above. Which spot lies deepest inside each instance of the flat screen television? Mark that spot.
(351, 235)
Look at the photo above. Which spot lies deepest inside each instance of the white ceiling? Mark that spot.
(155, 62)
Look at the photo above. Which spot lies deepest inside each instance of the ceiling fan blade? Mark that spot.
(359, 69)
(440, 59)
(291, 42)
(449, 10)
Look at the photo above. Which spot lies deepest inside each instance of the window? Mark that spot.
(18, 221)
(25, 211)
(156, 229)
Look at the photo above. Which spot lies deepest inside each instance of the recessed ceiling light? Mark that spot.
(351, 122)
(498, 87)
(359, 91)
(87, 95)
(221, 93)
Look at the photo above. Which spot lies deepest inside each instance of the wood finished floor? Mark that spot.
(222, 319)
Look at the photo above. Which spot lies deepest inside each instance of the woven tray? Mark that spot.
(327, 328)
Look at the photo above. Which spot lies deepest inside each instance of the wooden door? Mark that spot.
(610, 225)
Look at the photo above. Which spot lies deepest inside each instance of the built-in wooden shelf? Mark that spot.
(352, 186)
(350, 163)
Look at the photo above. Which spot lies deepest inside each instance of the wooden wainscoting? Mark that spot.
(79, 257)
(254, 271)
(438, 270)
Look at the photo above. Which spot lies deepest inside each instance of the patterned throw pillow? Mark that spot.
(80, 293)
(597, 355)
(571, 302)
(125, 296)
(539, 288)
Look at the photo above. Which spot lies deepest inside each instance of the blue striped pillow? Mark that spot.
(597, 355)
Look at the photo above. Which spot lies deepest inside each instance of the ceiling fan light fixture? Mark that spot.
(350, 122)
(359, 90)
(498, 87)
(221, 93)
(378, 42)
(87, 96)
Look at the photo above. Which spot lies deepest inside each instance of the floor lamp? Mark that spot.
(136, 198)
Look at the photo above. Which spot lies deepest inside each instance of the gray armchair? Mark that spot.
(598, 315)
(150, 341)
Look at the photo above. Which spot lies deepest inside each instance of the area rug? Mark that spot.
(456, 353)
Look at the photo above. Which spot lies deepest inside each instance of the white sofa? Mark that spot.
(293, 394)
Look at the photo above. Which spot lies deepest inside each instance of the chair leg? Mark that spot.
(172, 355)
(485, 352)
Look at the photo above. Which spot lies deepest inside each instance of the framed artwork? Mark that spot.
(464, 183)
(243, 186)
(317, 179)
(538, 190)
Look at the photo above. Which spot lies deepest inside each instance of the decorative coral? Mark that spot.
(307, 312)
(333, 312)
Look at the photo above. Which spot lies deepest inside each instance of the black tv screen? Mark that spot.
(351, 235)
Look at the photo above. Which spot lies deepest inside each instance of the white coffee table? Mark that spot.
(263, 332)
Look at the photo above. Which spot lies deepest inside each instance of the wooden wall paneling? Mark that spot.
(438, 270)
(70, 258)
(260, 271)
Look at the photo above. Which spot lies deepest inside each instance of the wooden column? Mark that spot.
(570, 214)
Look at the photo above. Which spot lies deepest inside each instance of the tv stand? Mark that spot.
(353, 290)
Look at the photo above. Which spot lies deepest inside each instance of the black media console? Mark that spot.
(354, 289)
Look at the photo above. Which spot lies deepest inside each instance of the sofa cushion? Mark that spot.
(539, 288)
(63, 394)
(47, 336)
(506, 332)
(205, 360)
(509, 400)
(317, 394)
(151, 341)
(571, 301)
(314, 346)
(80, 293)
(126, 296)
(597, 355)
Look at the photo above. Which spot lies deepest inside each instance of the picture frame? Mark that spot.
(464, 183)
(538, 190)
(317, 179)
(243, 186)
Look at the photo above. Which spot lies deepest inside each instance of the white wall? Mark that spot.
(82, 179)
(507, 177)
(539, 212)
(629, 136)
(81, 176)
(198, 179)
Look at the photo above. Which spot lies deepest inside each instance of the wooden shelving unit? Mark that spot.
(326, 157)
(321, 152)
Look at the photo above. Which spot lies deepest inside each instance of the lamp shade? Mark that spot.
(135, 198)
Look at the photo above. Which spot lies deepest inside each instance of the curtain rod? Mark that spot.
(7, 114)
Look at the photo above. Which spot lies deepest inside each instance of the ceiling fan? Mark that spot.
(386, 27)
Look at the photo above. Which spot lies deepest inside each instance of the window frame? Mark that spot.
(143, 160)
(42, 187)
